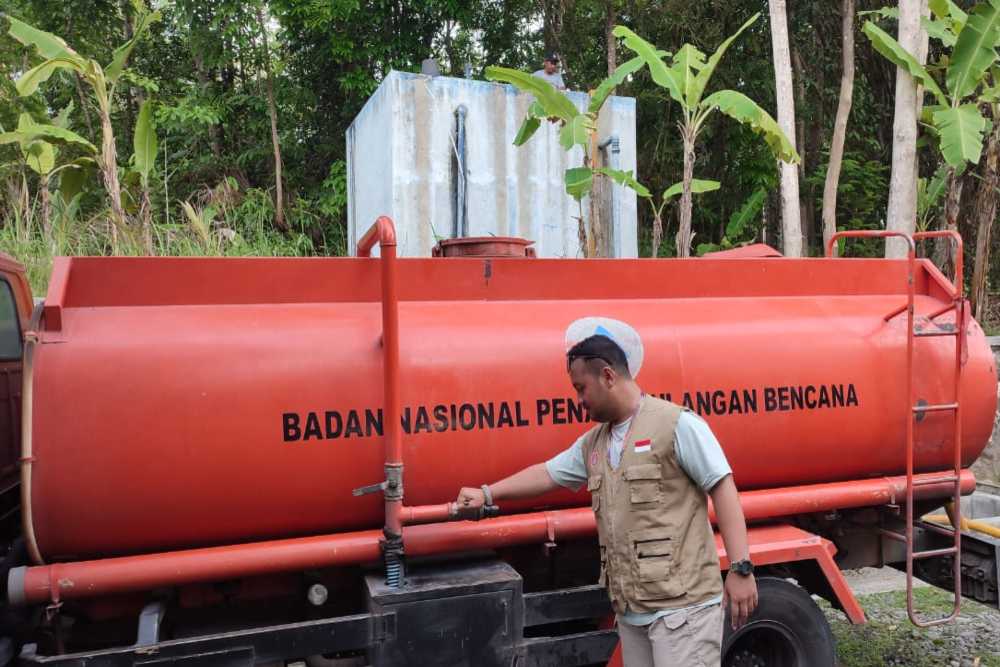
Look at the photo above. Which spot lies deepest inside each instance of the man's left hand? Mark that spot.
(740, 594)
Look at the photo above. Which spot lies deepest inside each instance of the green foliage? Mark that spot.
(739, 225)
(600, 94)
(576, 132)
(579, 181)
(532, 121)
(29, 131)
(958, 124)
(144, 142)
(685, 80)
(961, 130)
(697, 89)
(863, 191)
(742, 218)
(114, 69)
(930, 194)
(204, 62)
(947, 9)
(577, 128)
(974, 50)
(553, 103)
(698, 186)
(625, 178)
(886, 45)
(741, 108)
(663, 76)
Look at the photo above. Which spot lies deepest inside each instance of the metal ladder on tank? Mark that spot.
(916, 411)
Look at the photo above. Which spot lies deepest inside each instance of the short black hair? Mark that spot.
(601, 348)
(552, 57)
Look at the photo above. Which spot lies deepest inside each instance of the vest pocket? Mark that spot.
(652, 552)
(644, 483)
(594, 486)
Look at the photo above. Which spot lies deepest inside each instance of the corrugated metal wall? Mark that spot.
(402, 162)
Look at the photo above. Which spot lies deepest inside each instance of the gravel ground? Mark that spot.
(890, 639)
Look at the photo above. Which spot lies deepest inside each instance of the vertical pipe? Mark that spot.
(390, 372)
(27, 434)
(383, 232)
(461, 177)
(910, 415)
(612, 148)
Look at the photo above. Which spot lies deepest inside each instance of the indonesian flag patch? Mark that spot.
(643, 446)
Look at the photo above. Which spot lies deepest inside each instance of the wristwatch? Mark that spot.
(743, 567)
(487, 496)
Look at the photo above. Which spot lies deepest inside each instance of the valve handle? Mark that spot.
(371, 488)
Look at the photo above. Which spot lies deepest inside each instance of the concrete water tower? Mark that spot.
(435, 153)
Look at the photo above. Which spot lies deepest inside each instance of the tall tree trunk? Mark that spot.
(279, 195)
(839, 124)
(684, 229)
(609, 26)
(43, 192)
(83, 105)
(942, 254)
(952, 206)
(76, 81)
(801, 143)
(657, 233)
(901, 215)
(791, 222)
(146, 215)
(985, 214)
(109, 171)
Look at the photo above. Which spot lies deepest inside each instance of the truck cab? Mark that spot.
(15, 317)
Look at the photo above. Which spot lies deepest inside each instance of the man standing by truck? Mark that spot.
(648, 465)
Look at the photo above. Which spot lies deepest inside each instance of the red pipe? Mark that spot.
(383, 232)
(428, 514)
(83, 579)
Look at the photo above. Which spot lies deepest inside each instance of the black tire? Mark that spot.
(787, 629)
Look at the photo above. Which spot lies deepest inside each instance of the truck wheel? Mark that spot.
(787, 629)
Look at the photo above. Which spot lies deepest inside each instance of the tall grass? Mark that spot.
(220, 221)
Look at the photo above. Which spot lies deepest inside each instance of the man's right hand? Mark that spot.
(470, 499)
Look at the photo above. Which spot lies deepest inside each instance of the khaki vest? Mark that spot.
(657, 545)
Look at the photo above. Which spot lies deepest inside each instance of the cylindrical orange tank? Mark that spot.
(188, 402)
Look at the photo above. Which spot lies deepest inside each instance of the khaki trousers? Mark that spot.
(682, 639)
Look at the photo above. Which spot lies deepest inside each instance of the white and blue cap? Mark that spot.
(621, 333)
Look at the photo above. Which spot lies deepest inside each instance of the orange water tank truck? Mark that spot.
(251, 460)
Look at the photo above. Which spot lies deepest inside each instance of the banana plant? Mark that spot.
(686, 76)
(39, 144)
(143, 163)
(962, 82)
(577, 128)
(58, 55)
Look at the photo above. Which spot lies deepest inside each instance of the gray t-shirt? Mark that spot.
(698, 453)
(555, 79)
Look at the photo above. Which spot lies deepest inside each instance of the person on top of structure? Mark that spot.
(649, 466)
(550, 71)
